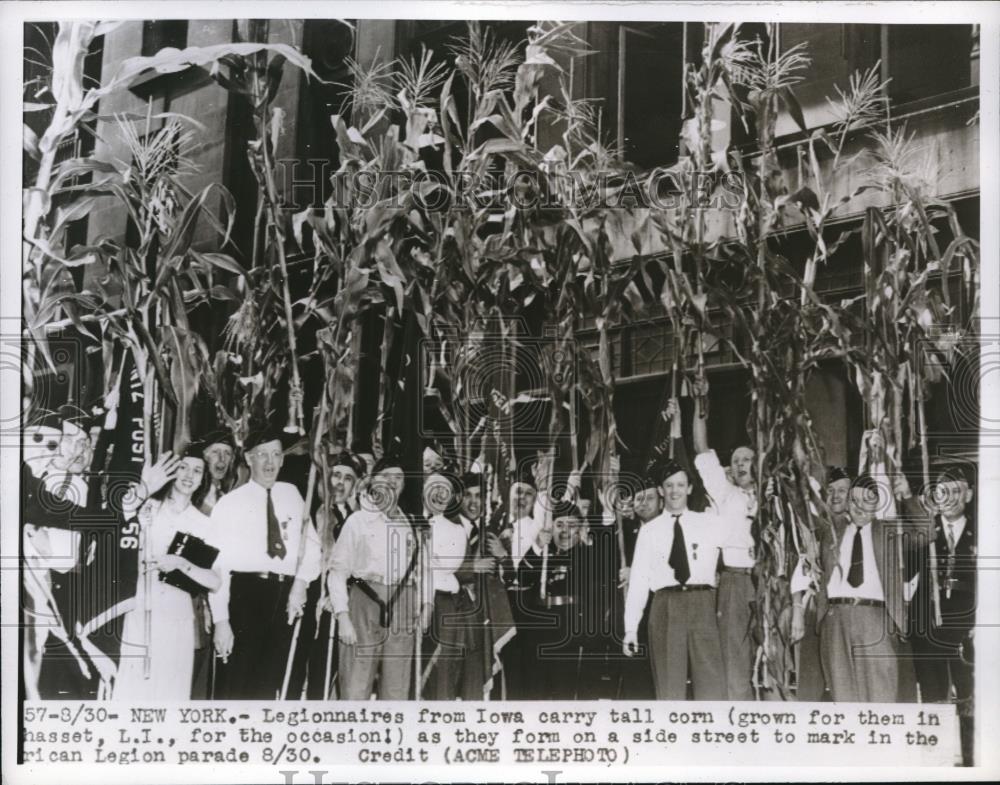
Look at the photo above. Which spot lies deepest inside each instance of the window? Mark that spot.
(926, 60)
(921, 61)
(651, 92)
(163, 33)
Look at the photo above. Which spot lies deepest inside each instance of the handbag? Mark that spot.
(196, 551)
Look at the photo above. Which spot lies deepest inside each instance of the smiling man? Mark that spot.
(218, 455)
(381, 590)
(675, 558)
(265, 571)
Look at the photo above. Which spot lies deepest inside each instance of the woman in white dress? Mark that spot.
(170, 485)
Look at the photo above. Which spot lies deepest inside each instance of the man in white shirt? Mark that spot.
(734, 498)
(811, 681)
(381, 590)
(675, 558)
(311, 666)
(451, 635)
(860, 601)
(268, 553)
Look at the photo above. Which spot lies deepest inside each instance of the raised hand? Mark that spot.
(155, 476)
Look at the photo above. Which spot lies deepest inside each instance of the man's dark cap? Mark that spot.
(266, 432)
(650, 480)
(387, 462)
(836, 473)
(955, 471)
(218, 436)
(670, 468)
(471, 480)
(68, 413)
(352, 462)
(866, 482)
(565, 509)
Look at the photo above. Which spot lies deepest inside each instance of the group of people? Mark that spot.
(542, 598)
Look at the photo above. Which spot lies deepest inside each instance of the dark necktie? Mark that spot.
(275, 544)
(678, 560)
(856, 575)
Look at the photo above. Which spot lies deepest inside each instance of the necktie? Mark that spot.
(275, 544)
(67, 481)
(678, 560)
(951, 536)
(856, 575)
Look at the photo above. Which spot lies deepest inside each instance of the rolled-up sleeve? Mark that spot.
(342, 564)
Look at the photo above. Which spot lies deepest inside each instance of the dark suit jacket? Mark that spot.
(887, 545)
(958, 606)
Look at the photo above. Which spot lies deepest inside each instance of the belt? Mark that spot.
(738, 570)
(856, 601)
(687, 587)
(274, 577)
(554, 602)
(519, 587)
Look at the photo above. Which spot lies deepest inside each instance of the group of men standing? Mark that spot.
(887, 613)
(355, 598)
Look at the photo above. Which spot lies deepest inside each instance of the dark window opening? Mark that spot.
(328, 43)
(163, 33)
(651, 86)
(927, 60)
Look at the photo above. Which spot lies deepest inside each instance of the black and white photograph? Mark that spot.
(420, 388)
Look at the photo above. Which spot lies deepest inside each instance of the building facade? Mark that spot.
(636, 77)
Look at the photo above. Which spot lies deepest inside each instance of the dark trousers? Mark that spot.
(684, 639)
(859, 654)
(734, 595)
(61, 677)
(518, 656)
(309, 668)
(810, 677)
(636, 672)
(456, 649)
(258, 615)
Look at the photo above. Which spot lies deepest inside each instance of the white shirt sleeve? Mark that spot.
(713, 476)
(525, 531)
(342, 563)
(640, 579)
(309, 566)
(218, 601)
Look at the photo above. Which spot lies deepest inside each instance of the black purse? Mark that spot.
(196, 551)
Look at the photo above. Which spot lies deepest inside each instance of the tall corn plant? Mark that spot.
(156, 276)
(791, 331)
(912, 327)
